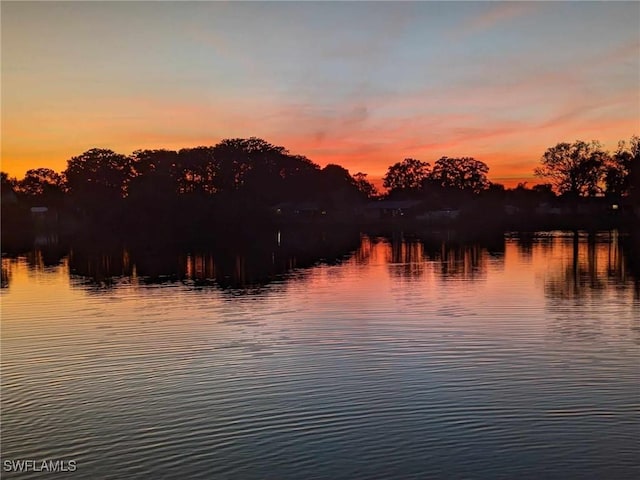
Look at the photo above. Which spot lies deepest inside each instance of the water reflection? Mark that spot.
(574, 265)
(6, 273)
(584, 276)
(406, 258)
(100, 267)
(227, 263)
(586, 265)
(528, 240)
(466, 261)
(433, 352)
(409, 258)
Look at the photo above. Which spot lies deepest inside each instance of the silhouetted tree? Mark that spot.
(618, 170)
(262, 172)
(336, 177)
(98, 178)
(634, 174)
(528, 199)
(299, 174)
(496, 192)
(235, 157)
(337, 188)
(156, 173)
(101, 169)
(197, 170)
(159, 162)
(16, 228)
(545, 189)
(266, 172)
(409, 174)
(464, 173)
(152, 195)
(365, 187)
(42, 184)
(576, 168)
(7, 183)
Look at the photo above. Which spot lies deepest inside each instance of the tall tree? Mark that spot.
(157, 176)
(576, 168)
(364, 186)
(197, 170)
(300, 177)
(7, 183)
(618, 170)
(7, 190)
(240, 161)
(336, 177)
(462, 173)
(409, 174)
(160, 161)
(99, 175)
(42, 182)
(634, 174)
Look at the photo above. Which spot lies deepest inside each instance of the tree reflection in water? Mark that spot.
(588, 265)
(6, 273)
(578, 265)
(588, 271)
(448, 256)
(225, 262)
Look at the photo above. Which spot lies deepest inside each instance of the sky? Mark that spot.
(361, 84)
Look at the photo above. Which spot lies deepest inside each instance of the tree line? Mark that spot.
(252, 166)
(578, 169)
(252, 172)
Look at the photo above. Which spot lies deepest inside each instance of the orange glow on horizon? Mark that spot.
(359, 139)
(418, 79)
(505, 167)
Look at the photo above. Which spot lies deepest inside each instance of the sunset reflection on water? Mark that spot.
(414, 355)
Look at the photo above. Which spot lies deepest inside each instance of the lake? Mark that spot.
(370, 357)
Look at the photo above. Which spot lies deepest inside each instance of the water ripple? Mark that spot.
(349, 371)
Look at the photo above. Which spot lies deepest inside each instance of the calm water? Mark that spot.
(402, 359)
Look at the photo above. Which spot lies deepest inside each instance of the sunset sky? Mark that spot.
(362, 84)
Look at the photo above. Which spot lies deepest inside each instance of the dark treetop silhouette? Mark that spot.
(246, 183)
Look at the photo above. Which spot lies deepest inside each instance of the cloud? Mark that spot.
(336, 83)
(495, 14)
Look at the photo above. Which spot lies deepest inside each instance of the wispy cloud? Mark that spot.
(494, 14)
(349, 83)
